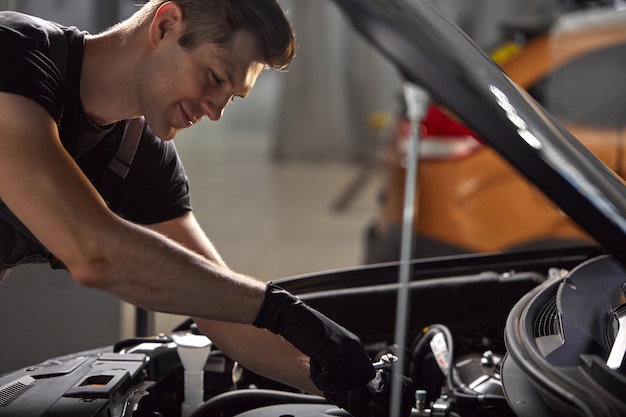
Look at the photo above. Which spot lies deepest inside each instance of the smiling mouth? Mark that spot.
(186, 117)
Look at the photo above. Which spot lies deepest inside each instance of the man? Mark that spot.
(64, 108)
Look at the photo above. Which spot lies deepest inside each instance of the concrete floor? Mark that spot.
(266, 219)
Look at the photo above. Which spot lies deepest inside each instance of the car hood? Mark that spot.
(431, 52)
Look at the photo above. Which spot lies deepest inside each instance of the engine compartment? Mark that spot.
(488, 336)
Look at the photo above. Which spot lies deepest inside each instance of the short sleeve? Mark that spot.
(25, 66)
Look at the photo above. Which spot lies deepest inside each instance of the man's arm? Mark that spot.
(44, 187)
(256, 349)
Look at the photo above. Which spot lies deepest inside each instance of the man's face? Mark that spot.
(178, 87)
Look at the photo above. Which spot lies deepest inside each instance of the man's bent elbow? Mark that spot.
(93, 256)
(93, 272)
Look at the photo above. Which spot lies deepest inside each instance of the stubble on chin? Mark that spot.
(168, 134)
(162, 127)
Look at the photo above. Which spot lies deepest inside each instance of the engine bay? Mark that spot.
(519, 364)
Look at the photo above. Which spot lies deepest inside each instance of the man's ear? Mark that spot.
(167, 22)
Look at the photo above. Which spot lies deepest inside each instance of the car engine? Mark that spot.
(545, 338)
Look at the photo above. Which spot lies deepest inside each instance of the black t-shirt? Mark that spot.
(156, 188)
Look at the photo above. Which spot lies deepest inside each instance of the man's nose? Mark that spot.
(215, 105)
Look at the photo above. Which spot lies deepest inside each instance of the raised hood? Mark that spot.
(431, 52)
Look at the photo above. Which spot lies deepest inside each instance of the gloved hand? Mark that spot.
(374, 399)
(338, 361)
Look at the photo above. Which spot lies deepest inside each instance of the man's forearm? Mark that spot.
(261, 352)
(158, 274)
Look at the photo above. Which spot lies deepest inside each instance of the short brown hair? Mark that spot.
(216, 21)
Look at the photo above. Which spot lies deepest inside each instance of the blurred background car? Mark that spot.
(468, 199)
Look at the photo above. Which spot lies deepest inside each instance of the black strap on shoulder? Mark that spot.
(119, 166)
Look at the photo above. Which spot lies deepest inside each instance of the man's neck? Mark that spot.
(106, 83)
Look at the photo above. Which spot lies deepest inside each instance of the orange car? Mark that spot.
(468, 199)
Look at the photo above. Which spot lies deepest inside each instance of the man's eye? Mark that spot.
(217, 80)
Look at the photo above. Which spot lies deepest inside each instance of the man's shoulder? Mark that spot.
(31, 32)
(21, 28)
(34, 54)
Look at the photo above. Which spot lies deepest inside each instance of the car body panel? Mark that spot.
(560, 46)
(479, 210)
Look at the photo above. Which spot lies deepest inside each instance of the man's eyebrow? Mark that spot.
(227, 70)
(229, 74)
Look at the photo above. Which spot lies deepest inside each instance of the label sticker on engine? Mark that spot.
(440, 351)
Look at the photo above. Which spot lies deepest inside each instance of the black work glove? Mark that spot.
(374, 399)
(338, 361)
